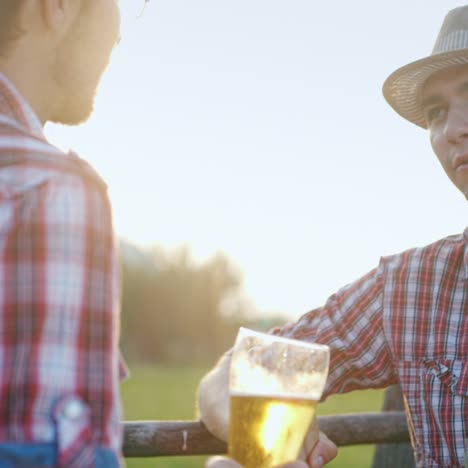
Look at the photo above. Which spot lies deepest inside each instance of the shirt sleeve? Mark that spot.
(75, 287)
(350, 323)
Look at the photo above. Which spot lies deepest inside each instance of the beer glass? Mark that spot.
(274, 386)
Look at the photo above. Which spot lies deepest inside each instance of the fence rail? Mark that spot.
(166, 438)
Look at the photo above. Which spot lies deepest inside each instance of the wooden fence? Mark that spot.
(388, 428)
(164, 438)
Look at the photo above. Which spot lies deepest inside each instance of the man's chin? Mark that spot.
(72, 115)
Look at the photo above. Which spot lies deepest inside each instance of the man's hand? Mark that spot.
(213, 407)
(318, 449)
(213, 398)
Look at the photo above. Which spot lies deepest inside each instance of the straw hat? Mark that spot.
(403, 87)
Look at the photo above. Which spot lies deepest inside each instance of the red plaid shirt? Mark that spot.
(59, 295)
(407, 322)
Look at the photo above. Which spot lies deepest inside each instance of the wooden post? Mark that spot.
(391, 455)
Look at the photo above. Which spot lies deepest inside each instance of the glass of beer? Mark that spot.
(274, 385)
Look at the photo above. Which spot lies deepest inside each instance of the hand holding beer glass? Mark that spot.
(274, 386)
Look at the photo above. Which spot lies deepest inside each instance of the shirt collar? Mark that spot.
(14, 107)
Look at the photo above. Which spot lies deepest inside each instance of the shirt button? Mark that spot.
(73, 409)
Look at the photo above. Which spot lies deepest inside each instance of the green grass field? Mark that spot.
(164, 394)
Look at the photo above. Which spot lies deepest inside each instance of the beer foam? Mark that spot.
(266, 365)
(248, 378)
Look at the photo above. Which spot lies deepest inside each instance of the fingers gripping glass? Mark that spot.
(274, 385)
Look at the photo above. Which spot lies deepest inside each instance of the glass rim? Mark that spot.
(244, 331)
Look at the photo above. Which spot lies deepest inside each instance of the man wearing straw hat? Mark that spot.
(406, 321)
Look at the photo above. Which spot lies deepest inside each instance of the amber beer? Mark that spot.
(265, 431)
(274, 386)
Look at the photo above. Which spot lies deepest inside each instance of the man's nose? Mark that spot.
(456, 125)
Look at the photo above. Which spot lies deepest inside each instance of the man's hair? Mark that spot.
(10, 28)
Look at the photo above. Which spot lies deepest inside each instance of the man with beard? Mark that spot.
(406, 321)
(59, 398)
(59, 365)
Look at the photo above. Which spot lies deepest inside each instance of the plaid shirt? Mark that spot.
(59, 298)
(405, 322)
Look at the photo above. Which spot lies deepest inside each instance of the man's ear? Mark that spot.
(57, 14)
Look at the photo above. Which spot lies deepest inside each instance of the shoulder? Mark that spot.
(28, 160)
(432, 256)
(56, 186)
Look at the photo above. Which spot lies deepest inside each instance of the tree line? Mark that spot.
(178, 311)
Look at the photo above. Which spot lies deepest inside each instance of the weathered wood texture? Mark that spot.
(164, 438)
(391, 455)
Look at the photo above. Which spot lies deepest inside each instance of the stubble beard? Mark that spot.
(76, 95)
(75, 79)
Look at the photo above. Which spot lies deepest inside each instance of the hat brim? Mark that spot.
(403, 87)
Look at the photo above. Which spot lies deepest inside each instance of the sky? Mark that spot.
(258, 128)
